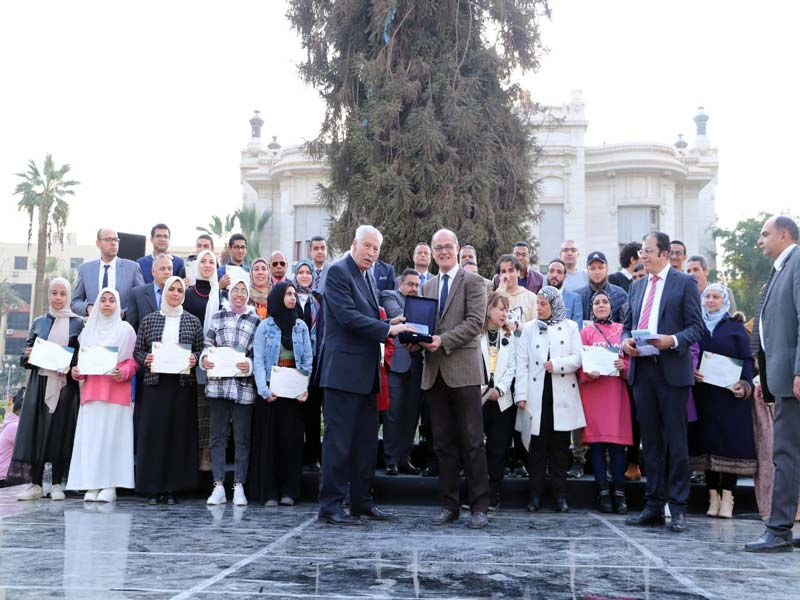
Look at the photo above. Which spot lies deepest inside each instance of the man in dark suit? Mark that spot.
(349, 375)
(667, 304)
(775, 340)
(452, 378)
(146, 299)
(383, 274)
(628, 259)
(159, 238)
(109, 270)
(405, 376)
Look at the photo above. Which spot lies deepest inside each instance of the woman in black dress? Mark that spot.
(166, 449)
(46, 427)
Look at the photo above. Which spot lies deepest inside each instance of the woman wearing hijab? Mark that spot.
(309, 309)
(547, 397)
(607, 407)
(231, 398)
(50, 410)
(166, 448)
(102, 459)
(259, 289)
(203, 300)
(725, 419)
(276, 461)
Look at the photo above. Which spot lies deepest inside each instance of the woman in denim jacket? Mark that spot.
(276, 460)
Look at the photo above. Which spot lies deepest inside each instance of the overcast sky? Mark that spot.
(149, 101)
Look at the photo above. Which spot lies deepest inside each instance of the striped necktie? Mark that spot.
(648, 306)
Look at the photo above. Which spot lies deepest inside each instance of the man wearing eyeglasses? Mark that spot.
(159, 238)
(677, 254)
(107, 271)
(237, 250)
(277, 268)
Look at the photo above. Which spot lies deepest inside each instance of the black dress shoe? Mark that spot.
(152, 500)
(170, 499)
(535, 505)
(431, 472)
(391, 470)
(315, 467)
(478, 520)
(340, 518)
(646, 518)
(374, 513)
(445, 517)
(769, 542)
(678, 523)
(796, 542)
(561, 505)
(408, 469)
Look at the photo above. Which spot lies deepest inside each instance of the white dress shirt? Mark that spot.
(451, 274)
(652, 324)
(112, 274)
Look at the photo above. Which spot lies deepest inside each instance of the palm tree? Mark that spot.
(220, 228)
(251, 225)
(8, 298)
(43, 192)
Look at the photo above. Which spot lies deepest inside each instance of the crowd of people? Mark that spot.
(500, 386)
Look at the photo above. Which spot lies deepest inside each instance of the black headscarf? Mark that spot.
(607, 320)
(284, 317)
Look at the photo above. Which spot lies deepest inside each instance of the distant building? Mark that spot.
(600, 196)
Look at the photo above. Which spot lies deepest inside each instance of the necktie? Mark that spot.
(105, 275)
(755, 337)
(443, 293)
(644, 320)
(158, 298)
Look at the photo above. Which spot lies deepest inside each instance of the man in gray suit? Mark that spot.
(452, 378)
(775, 334)
(107, 271)
(405, 375)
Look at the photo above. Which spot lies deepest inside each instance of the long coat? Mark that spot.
(563, 343)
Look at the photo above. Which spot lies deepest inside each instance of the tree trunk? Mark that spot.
(40, 299)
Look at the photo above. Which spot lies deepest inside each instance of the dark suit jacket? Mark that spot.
(394, 303)
(384, 276)
(350, 359)
(143, 302)
(679, 314)
(620, 280)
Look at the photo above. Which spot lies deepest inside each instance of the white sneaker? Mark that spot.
(239, 499)
(56, 493)
(107, 495)
(217, 496)
(32, 492)
(91, 495)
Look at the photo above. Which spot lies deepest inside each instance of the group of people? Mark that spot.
(498, 385)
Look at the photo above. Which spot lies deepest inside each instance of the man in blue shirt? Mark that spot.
(159, 238)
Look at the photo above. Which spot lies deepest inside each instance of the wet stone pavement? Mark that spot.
(131, 550)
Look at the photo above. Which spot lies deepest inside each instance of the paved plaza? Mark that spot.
(131, 550)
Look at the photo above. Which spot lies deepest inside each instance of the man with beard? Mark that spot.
(556, 275)
(597, 266)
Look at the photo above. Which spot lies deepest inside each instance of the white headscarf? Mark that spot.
(59, 334)
(247, 307)
(213, 296)
(166, 309)
(101, 330)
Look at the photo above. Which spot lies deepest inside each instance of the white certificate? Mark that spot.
(600, 359)
(719, 370)
(236, 273)
(287, 382)
(50, 356)
(170, 358)
(644, 342)
(225, 360)
(97, 360)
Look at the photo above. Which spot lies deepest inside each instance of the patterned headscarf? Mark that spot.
(259, 295)
(307, 262)
(713, 319)
(607, 320)
(558, 312)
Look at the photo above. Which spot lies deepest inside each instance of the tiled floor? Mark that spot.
(130, 550)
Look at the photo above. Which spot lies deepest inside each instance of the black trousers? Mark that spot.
(498, 428)
(349, 448)
(633, 449)
(663, 422)
(458, 424)
(400, 421)
(549, 446)
(721, 481)
(312, 413)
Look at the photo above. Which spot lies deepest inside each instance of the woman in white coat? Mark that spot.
(498, 346)
(546, 392)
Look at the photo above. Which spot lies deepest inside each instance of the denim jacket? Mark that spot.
(266, 348)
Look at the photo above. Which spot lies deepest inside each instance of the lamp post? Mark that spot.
(10, 368)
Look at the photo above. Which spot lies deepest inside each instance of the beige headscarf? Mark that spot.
(59, 334)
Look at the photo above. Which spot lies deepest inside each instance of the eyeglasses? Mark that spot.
(676, 253)
(238, 292)
(647, 252)
(110, 240)
(444, 248)
(238, 247)
(278, 263)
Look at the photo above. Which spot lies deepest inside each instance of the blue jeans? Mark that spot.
(618, 462)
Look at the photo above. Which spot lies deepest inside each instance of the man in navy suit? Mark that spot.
(159, 238)
(667, 304)
(350, 377)
(146, 299)
(119, 273)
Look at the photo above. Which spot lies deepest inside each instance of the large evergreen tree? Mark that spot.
(424, 128)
